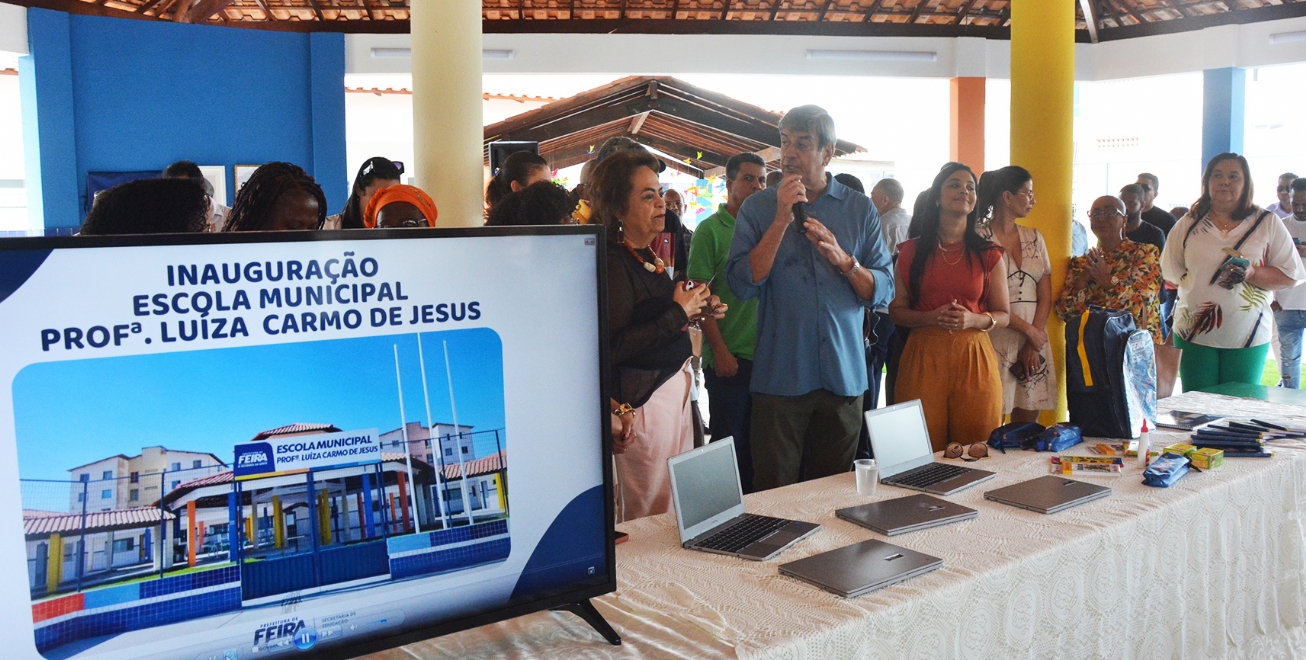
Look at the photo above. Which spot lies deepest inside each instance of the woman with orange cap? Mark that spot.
(400, 206)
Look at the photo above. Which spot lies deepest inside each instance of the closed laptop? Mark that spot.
(906, 514)
(1048, 494)
(860, 568)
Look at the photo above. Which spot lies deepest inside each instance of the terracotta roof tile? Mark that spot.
(297, 427)
(97, 521)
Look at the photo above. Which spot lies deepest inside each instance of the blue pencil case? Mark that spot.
(1059, 437)
(1166, 470)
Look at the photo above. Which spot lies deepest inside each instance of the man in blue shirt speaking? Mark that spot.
(814, 280)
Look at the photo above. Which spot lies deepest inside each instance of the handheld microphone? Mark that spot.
(800, 217)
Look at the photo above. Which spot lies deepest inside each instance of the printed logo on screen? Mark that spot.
(253, 458)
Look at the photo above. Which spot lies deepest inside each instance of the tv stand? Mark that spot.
(585, 610)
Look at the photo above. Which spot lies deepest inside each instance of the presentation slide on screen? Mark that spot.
(238, 451)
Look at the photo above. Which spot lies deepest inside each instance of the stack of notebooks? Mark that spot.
(1243, 439)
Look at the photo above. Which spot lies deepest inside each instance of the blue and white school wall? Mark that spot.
(112, 94)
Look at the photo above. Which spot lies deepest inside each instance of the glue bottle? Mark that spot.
(1144, 448)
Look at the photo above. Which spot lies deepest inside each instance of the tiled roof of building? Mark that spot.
(226, 477)
(297, 427)
(486, 465)
(991, 19)
(97, 521)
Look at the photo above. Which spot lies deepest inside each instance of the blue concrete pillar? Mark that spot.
(368, 521)
(45, 79)
(327, 93)
(1224, 94)
(233, 524)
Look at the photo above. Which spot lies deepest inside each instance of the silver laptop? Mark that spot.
(906, 459)
(860, 568)
(710, 507)
(906, 514)
(1048, 494)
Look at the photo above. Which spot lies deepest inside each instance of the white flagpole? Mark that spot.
(434, 442)
(462, 469)
(403, 426)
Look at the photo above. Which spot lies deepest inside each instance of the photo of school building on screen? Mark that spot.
(126, 543)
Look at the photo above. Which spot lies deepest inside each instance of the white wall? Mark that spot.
(13, 28)
(643, 54)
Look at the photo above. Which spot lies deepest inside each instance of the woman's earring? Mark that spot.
(621, 231)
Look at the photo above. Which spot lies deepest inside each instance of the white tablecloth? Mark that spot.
(1211, 567)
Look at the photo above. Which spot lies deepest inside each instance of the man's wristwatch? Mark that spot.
(854, 269)
(622, 409)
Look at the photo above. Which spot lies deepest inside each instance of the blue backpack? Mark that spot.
(1110, 374)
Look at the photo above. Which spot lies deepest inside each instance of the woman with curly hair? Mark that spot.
(648, 321)
(1226, 255)
(278, 197)
(541, 203)
(149, 206)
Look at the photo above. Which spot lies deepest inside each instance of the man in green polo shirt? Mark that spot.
(728, 349)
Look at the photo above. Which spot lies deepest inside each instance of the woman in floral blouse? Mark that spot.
(1225, 256)
(1118, 273)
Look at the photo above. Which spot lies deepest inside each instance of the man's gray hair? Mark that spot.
(811, 119)
(616, 144)
(1156, 183)
(891, 188)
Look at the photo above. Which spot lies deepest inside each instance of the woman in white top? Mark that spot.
(1029, 381)
(1225, 256)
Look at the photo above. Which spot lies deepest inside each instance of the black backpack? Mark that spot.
(1110, 374)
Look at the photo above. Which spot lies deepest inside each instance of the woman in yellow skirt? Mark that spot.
(951, 291)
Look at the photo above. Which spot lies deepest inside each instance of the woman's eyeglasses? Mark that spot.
(966, 452)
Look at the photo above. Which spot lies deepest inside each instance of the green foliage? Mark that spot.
(1253, 297)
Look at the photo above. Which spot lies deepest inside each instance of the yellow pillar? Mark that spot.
(448, 130)
(54, 564)
(966, 96)
(324, 517)
(278, 524)
(1042, 137)
(190, 534)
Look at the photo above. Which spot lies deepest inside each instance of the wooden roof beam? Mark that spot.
(267, 11)
(871, 12)
(1090, 18)
(200, 11)
(824, 8)
(920, 7)
(768, 154)
(638, 122)
(147, 6)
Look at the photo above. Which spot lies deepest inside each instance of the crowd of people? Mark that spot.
(805, 289)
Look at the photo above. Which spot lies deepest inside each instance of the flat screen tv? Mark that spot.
(257, 445)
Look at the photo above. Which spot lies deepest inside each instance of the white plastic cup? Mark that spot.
(868, 476)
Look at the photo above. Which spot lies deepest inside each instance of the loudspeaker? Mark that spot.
(499, 152)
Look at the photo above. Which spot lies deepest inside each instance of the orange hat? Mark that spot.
(400, 193)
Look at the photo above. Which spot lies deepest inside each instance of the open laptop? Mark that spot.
(906, 514)
(906, 459)
(860, 568)
(1048, 494)
(710, 507)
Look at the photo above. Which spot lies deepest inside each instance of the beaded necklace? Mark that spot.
(657, 267)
